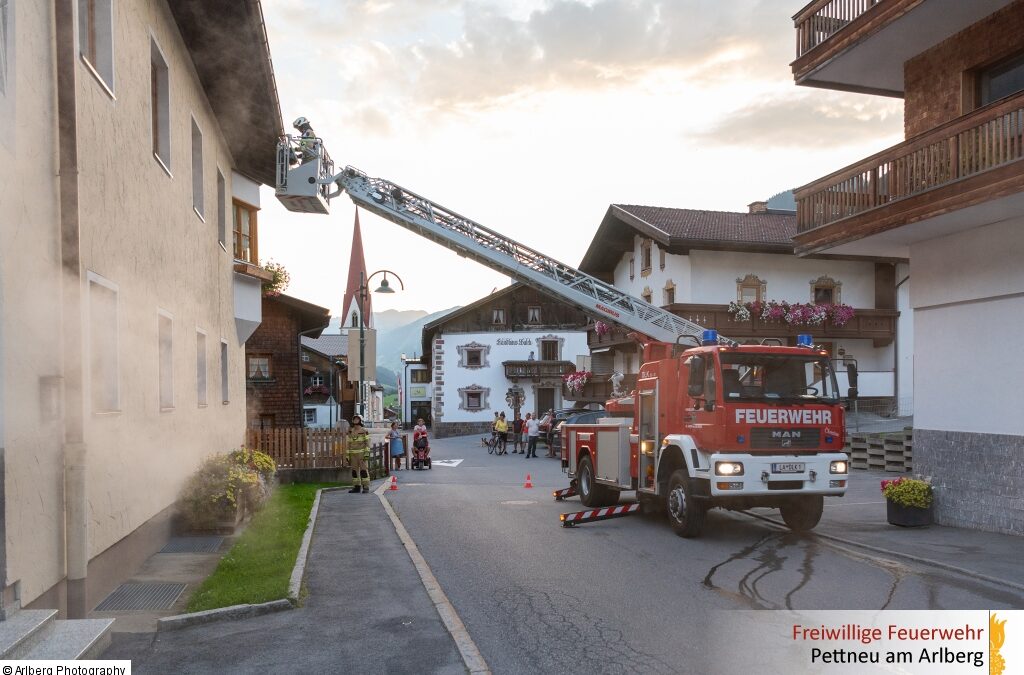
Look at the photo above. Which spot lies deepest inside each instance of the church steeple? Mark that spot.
(356, 267)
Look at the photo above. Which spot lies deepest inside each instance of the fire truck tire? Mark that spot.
(592, 494)
(802, 513)
(685, 514)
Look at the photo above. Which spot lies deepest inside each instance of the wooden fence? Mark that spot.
(302, 448)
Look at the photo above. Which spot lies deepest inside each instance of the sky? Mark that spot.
(533, 116)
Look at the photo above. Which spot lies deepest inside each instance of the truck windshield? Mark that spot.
(777, 377)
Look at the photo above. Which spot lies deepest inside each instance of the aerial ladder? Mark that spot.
(310, 186)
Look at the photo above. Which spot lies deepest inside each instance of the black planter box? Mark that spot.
(907, 516)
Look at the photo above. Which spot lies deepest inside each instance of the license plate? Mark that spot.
(789, 467)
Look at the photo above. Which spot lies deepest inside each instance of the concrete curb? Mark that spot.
(471, 656)
(899, 554)
(236, 612)
(232, 613)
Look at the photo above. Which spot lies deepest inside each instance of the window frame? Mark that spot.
(202, 377)
(96, 46)
(546, 344)
(646, 257)
(165, 360)
(222, 209)
(94, 279)
(249, 358)
(669, 293)
(983, 77)
(826, 283)
(237, 206)
(225, 374)
(476, 355)
(751, 281)
(198, 176)
(533, 315)
(414, 376)
(498, 316)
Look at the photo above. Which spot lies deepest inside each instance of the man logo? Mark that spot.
(787, 443)
(996, 638)
(789, 433)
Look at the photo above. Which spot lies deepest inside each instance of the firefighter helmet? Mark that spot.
(301, 124)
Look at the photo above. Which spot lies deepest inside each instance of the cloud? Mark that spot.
(798, 119)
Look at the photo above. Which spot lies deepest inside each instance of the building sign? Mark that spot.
(510, 342)
(417, 392)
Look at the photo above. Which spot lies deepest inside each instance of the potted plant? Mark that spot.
(908, 502)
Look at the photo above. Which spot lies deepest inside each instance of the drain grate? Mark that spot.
(193, 545)
(141, 596)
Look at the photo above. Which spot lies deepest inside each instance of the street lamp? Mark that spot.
(363, 288)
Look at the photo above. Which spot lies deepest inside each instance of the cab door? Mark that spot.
(703, 414)
(648, 439)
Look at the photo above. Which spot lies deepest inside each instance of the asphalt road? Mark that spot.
(627, 595)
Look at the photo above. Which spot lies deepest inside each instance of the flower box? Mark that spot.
(907, 516)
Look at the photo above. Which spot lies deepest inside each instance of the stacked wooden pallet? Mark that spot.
(908, 449)
(876, 452)
(893, 445)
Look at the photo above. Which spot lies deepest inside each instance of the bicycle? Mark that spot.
(492, 442)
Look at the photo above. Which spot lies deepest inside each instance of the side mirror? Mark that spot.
(851, 374)
(696, 382)
(851, 393)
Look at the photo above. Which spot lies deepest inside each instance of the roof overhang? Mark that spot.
(228, 45)
(312, 318)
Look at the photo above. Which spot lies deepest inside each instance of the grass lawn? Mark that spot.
(259, 565)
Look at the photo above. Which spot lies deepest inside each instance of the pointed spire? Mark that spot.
(356, 267)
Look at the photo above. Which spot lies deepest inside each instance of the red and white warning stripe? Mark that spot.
(606, 513)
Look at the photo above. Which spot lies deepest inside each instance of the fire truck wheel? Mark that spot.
(591, 494)
(802, 513)
(685, 514)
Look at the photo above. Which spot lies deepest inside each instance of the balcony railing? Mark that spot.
(616, 335)
(878, 325)
(537, 370)
(970, 145)
(821, 20)
(599, 389)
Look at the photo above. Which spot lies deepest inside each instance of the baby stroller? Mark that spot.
(420, 456)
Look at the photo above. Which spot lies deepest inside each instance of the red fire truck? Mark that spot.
(712, 424)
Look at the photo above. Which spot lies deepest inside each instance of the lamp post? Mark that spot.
(363, 288)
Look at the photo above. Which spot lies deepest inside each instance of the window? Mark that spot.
(533, 315)
(224, 391)
(316, 380)
(473, 355)
(222, 216)
(103, 364)
(245, 233)
(95, 38)
(825, 290)
(305, 358)
(197, 169)
(355, 320)
(670, 293)
(160, 107)
(259, 367)
(645, 257)
(420, 376)
(1001, 80)
(201, 367)
(6, 29)
(498, 316)
(549, 350)
(266, 421)
(165, 326)
(750, 289)
(473, 397)
(632, 268)
(647, 295)
(309, 416)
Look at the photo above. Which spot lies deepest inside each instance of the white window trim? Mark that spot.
(156, 43)
(202, 168)
(96, 76)
(108, 87)
(225, 373)
(92, 277)
(206, 368)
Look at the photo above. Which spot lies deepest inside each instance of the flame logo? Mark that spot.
(996, 638)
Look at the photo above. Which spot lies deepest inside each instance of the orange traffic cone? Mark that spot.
(528, 483)
(394, 483)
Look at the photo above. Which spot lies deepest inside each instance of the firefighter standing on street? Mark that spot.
(358, 447)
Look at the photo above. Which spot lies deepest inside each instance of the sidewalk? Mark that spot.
(859, 519)
(367, 612)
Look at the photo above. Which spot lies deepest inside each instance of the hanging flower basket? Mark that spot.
(576, 381)
(795, 314)
(602, 329)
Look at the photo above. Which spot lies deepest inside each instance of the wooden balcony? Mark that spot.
(862, 45)
(614, 337)
(967, 161)
(599, 389)
(878, 325)
(537, 370)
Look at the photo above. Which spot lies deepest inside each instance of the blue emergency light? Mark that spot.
(804, 340)
(710, 337)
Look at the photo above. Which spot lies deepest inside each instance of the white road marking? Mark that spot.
(471, 656)
(519, 502)
(447, 462)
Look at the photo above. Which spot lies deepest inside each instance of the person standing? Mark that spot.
(532, 434)
(501, 426)
(397, 446)
(358, 447)
(517, 434)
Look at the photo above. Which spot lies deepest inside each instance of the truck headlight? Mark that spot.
(838, 467)
(728, 469)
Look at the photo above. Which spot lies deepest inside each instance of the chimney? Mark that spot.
(758, 207)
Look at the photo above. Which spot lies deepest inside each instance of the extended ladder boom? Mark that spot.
(472, 240)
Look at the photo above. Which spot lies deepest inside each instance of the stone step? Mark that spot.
(23, 630)
(73, 640)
